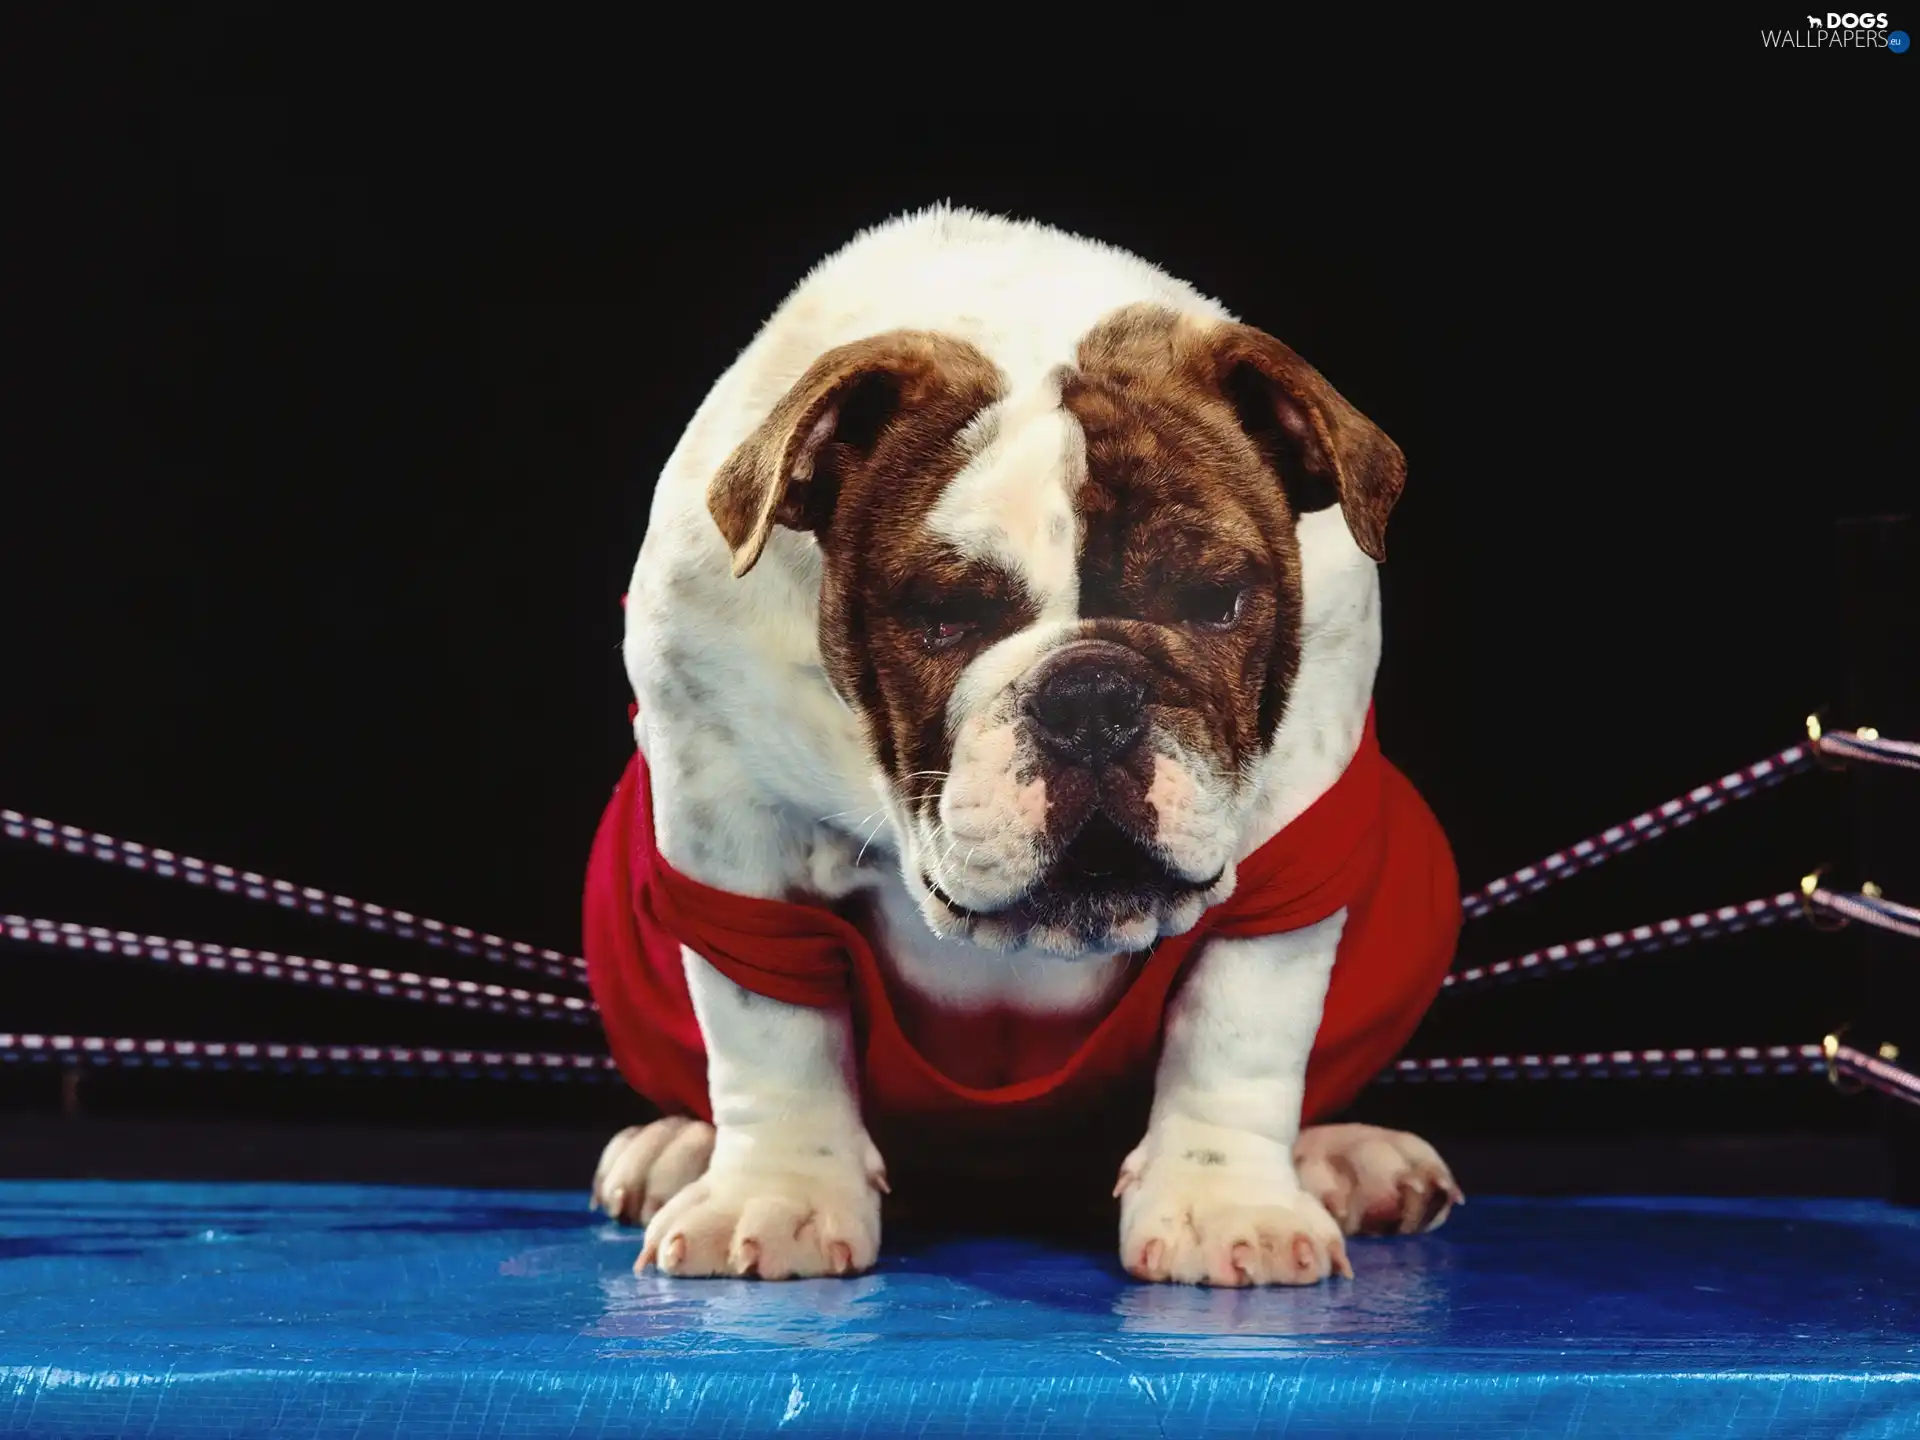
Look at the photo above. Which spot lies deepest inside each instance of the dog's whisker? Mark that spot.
(910, 800)
(864, 820)
(879, 820)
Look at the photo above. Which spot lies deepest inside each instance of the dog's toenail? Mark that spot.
(1303, 1253)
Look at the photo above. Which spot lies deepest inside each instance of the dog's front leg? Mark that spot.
(1210, 1196)
(793, 1188)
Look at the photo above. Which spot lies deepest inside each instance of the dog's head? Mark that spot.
(1068, 616)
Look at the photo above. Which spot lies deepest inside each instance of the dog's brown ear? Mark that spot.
(1323, 448)
(790, 471)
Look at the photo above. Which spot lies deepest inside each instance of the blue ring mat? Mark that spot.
(322, 1311)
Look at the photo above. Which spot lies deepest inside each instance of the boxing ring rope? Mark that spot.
(1864, 744)
(300, 970)
(189, 869)
(1836, 1059)
(1812, 902)
(1612, 1064)
(294, 1058)
(1806, 903)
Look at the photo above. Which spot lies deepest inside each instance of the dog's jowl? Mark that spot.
(1006, 804)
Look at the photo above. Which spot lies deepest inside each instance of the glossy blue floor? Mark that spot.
(225, 1310)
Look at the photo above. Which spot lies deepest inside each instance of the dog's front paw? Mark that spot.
(772, 1217)
(1374, 1181)
(1223, 1211)
(644, 1166)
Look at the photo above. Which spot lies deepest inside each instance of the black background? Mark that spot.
(344, 370)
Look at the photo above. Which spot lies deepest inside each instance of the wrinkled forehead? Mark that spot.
(1017, 502)
(1123, 451)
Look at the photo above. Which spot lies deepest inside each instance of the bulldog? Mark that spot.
(1002, 647)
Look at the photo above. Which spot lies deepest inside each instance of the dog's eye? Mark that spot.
(1215, 606)
(951, 620)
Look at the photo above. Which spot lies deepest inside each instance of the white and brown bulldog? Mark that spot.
(1005, 607)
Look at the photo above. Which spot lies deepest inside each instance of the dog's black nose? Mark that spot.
(1089, 712)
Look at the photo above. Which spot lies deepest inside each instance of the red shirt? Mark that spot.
(1369, 845)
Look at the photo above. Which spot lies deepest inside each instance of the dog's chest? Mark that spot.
(982, 1018)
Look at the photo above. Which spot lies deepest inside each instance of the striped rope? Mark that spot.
(254, 886)
(1640, 940)
(1870, 909)
(292, 1059)
(1877, 1072)
(407, 1060)
(1612, 1065)
(1648, 825)
(1863, 908)
(301, 970)
(1865, 744)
